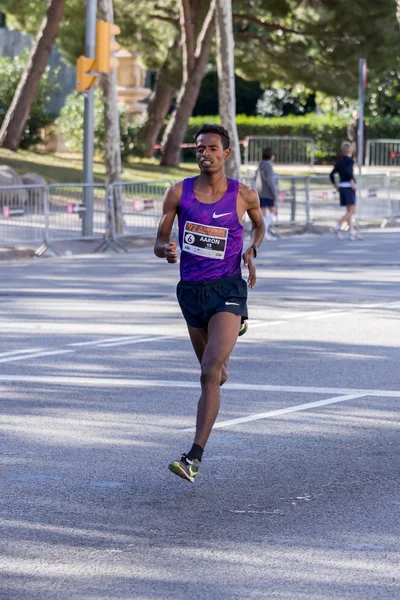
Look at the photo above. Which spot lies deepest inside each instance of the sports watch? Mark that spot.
(254, 250)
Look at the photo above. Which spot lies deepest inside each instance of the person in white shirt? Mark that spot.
(266, 188)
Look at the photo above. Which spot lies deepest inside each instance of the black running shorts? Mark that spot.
(267, 202)
(200, 301)
(347, 196)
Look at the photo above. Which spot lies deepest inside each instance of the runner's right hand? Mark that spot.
(170, 252)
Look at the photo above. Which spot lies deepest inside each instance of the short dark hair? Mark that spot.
(267, 153)
(219, 130)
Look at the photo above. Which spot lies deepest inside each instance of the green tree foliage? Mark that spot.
(148, 25)
(70, 123)
(385, 98)
(247, 94)
(280, 102)
(314, 42)
(10, 73)
(27, 15)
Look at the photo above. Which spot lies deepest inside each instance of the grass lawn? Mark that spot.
(67, 168)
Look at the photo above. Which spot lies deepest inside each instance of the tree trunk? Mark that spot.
(112, 133)
(226, 82)
(19, 109)
(159, 105)
(169, 79)
(195, 64)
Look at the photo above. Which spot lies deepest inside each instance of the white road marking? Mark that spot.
(139, 338)
(160, 383)
(309, 315)
(282, 411)
(15, 352)
(336, 313)
(321, 314)
(105, 341)
(137, 341)
(36, 355)
(350, 250)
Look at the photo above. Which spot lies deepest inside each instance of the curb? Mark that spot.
(11, 253)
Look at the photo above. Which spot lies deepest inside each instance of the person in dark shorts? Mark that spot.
(347, 190)
(266, 188)
(211, 293)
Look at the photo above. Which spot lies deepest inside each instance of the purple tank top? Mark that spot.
(210, 235)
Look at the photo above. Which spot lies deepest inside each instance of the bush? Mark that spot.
(11, 70)
(328, 131)
(70, 123)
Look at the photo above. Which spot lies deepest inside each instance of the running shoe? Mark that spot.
(185, 468)
(272, 231)
(243, 328)
(338, 233)
(354, 236)
(269, 237)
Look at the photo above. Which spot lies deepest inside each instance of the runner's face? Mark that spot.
(210, 153)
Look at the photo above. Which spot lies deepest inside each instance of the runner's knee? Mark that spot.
(211, 372)
(224, 376)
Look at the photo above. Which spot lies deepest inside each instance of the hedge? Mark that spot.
(328, 131)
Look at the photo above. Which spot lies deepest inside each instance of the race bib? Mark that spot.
(204, 240)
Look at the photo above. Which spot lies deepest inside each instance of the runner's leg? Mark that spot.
(351, 209)
(223, 330)
(344, 219)
(199, 339)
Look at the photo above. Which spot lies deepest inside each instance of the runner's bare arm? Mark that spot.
(163, 248)
(250, 203)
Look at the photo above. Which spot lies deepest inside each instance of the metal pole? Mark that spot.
(308, 208)
(88, 144)
(293, 202)
(362, 81)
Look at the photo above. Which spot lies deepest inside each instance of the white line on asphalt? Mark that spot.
(15, 352)
(336, 313)
(137, 341)
(122, 341)
(35, 355)
(309, 315)
(283, 411)
(350, 250)
(159, 383)
(106, 340)
(321, 314)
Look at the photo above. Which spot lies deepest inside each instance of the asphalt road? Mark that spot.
(298, 497)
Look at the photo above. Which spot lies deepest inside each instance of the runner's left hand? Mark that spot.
(248, 259)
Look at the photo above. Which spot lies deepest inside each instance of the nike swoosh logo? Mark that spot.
(215, 216)
(230, 303)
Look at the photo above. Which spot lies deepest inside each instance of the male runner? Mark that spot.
(347, 190)
(212, 293)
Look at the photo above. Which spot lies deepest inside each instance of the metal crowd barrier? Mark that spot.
(383, 153)
(43, 215)
(141, 204)
(292, 197)
(292, 204)
(378, 198)
(23, 214)
(68, 213)
(289, 150)
(323, 200)
(313, 199)
(394, 198)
